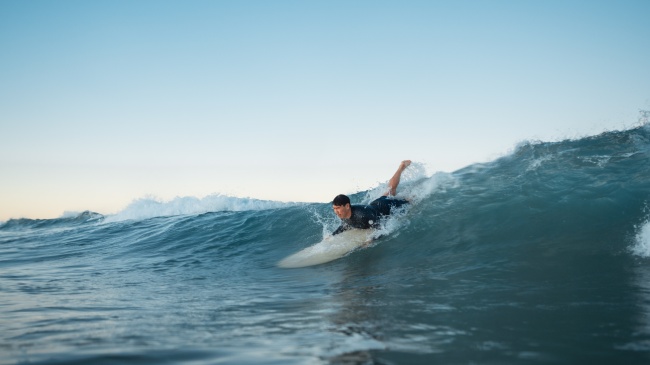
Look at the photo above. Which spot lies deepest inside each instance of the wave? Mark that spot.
(552, 238)
(598, 185)
(152, 207)
(67, 219)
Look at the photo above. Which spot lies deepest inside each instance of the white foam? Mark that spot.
(422, 189)
(415, 184)
(70, 214)
(150, 207)
(642, 241)
(537, 162)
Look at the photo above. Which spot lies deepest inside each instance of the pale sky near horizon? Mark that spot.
(104, 102)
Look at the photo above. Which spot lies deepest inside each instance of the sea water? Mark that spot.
(541, 256)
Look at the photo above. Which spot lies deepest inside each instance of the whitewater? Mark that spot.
(540, 256)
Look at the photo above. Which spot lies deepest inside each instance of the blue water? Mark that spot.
(541, 256)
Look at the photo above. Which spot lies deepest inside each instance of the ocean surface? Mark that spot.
(538, 257)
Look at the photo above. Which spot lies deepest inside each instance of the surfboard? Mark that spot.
(329, 249)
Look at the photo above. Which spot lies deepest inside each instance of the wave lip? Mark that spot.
(151, 207)
(67, 219)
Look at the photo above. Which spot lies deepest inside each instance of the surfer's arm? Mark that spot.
(394, 181)
(342, 228)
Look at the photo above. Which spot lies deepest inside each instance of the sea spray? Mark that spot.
(150, 207)
(641, 244)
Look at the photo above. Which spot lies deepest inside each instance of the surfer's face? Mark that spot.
(342, 211)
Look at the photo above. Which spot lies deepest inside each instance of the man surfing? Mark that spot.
(368, 216)
(352, 216)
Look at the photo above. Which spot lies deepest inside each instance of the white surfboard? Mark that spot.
(329, 249)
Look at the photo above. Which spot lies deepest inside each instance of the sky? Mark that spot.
(107, 101)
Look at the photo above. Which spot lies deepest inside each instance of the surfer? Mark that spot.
(368, 216)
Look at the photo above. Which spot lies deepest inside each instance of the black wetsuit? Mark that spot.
(368, 216)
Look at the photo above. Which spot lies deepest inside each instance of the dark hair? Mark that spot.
(341, 200)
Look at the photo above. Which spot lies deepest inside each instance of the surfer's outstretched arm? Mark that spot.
(394, 181)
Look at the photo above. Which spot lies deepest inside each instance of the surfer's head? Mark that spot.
(341, 200)
(341, 206)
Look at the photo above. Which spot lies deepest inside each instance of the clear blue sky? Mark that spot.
(103, 102)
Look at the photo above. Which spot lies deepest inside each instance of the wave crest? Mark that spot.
(151, 207)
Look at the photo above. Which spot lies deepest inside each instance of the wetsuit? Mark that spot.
(368, 216)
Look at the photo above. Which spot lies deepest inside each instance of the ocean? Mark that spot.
(540, 256)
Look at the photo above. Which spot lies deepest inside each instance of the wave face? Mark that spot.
(542, 256)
